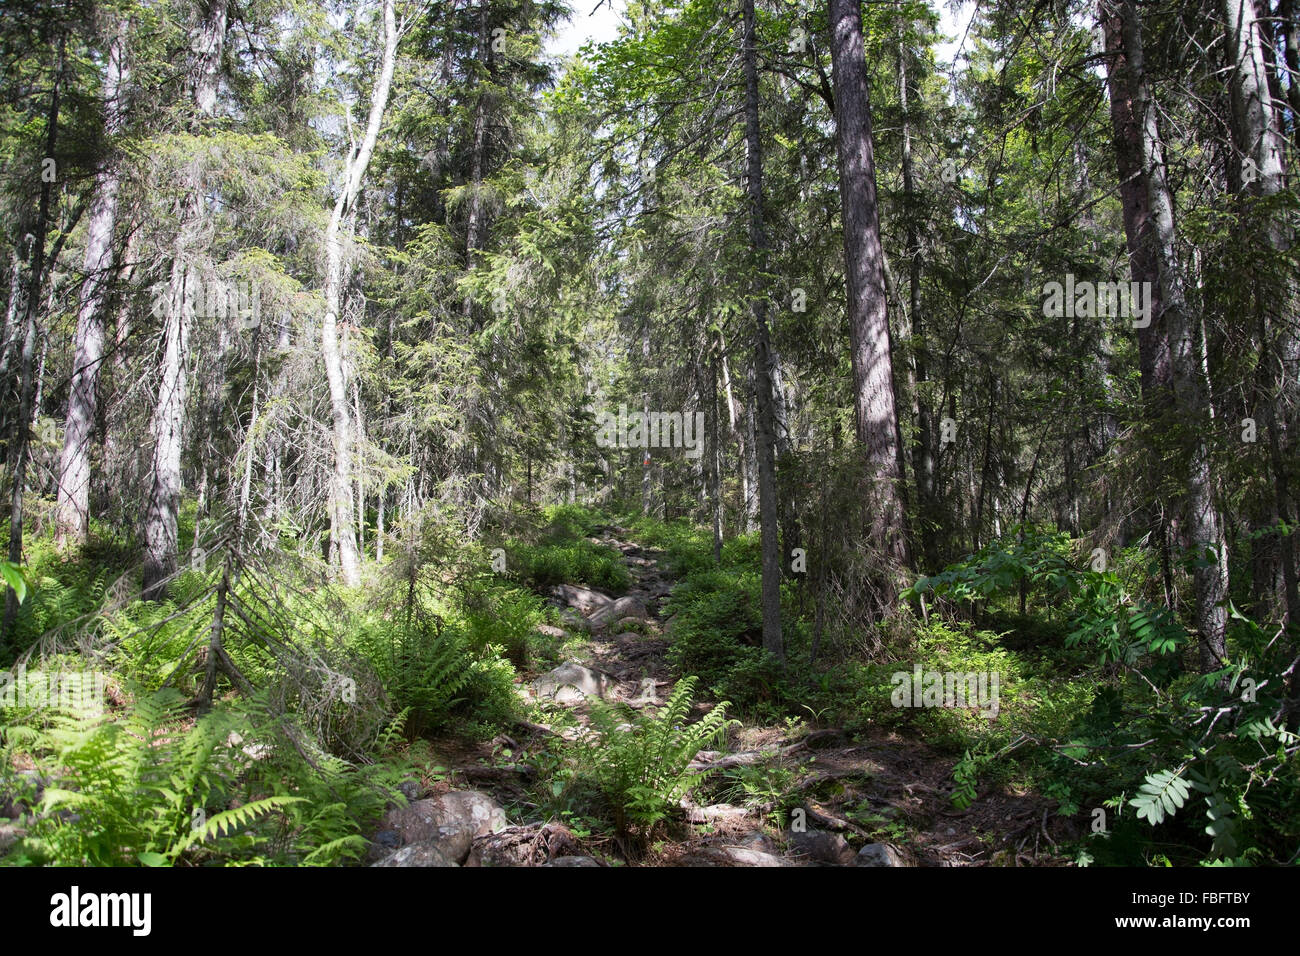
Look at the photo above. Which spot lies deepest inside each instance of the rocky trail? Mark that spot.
(883, 800)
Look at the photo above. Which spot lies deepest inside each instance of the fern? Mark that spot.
(643, 767)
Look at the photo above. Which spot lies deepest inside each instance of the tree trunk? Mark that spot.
(765, 425)
(22, 430)
(923, 447)
(1203, 523)
(167, 425)
(72, 509)
(342, 513)
(714, 455)
(873, 375)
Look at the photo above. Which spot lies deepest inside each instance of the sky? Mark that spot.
(602, 25)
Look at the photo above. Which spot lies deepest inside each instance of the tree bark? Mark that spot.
(765, 426)
(875, 404)
(1203, 528)
(72, 508)
(168, 422)
(342, 512)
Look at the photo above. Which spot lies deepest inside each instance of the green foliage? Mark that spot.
(642, 767)
(577, 562)
(434, 671)
(506, 617)
(236, 786)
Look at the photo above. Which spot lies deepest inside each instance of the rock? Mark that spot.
(717, 812)
(417, 854)
(550, 630)
(572, 861)
(629, 606)
(879, 854)
(573, 676)
(823, 847)
(757, 840)
(745, 856)
(632, 625)
(584, 600)
(383, 845)
(450, 821)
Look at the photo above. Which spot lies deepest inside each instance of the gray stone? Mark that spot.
(879, 854)
(584, 600)
(450, 821)
(417, 854)
(744, 856)
(570, 674)
(629, 606)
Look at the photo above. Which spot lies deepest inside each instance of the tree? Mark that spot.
(870, 343)
(342, 509)
(73, 508)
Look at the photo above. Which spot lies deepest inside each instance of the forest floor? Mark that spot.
(882, 791)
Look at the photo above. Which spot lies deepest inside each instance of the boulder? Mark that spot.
(629, 606)
(550, 630)
(450, 821)
(417, 854)
(570, 677)
(584, 600)
(382, 845)
(747, 856)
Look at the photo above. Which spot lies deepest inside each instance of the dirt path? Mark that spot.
(882, 800)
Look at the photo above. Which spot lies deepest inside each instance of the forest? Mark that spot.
(775, 433)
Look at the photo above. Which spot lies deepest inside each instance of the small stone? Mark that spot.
(879, 854)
